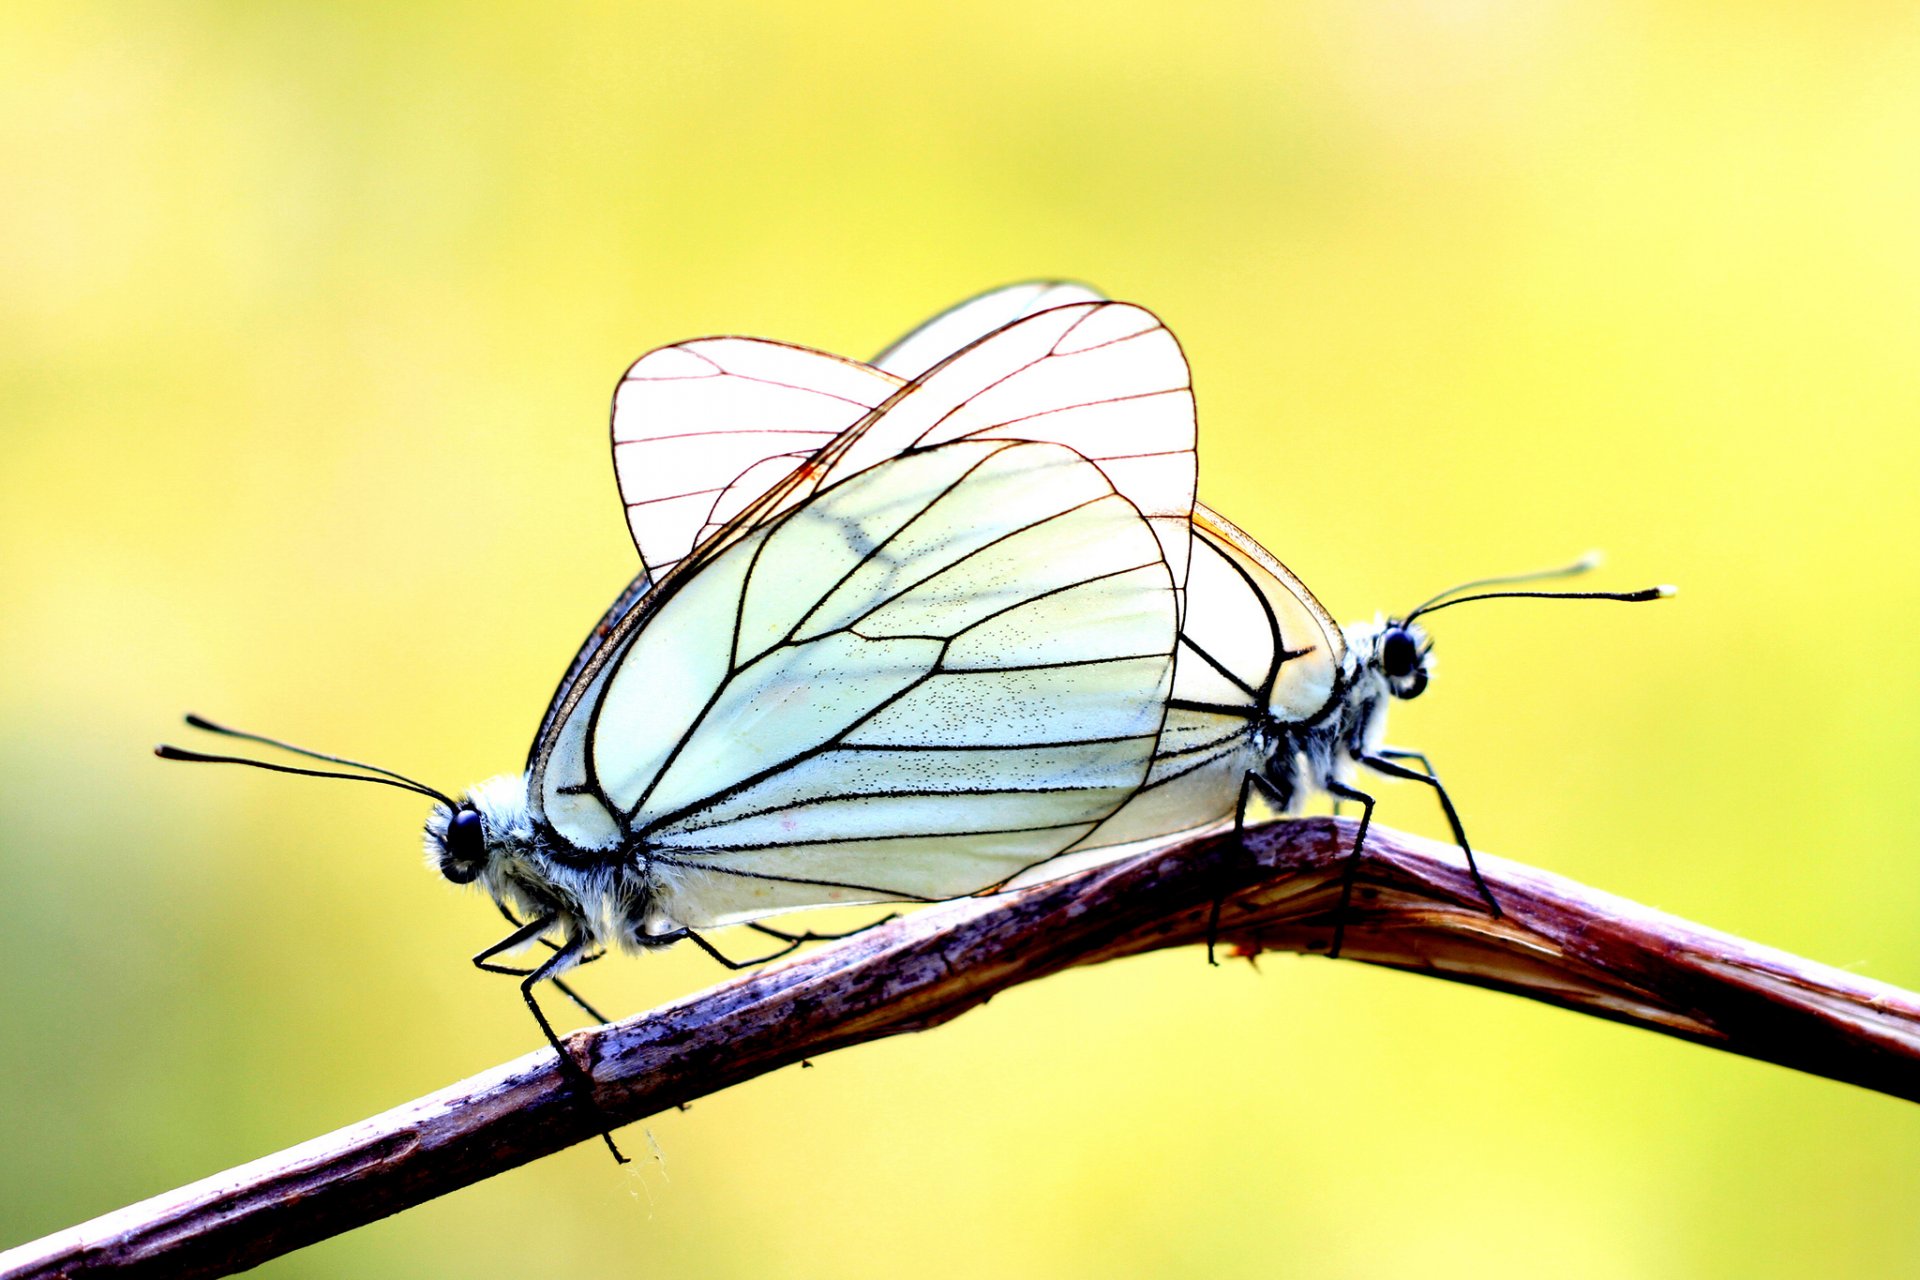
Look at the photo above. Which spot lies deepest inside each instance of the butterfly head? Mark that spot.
(457, 843)
(481, 834)
(1388, 659)
(1398, 653)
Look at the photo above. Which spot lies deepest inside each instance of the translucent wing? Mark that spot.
(965, 323)
(622, 605)
(921, 680)
(1292, 642)
(689, 419)
(1253, 638)
(1106, 379)
(693, 418)
(1256, 636)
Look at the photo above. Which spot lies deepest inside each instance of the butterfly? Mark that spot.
(928, 651)
(1271, 697)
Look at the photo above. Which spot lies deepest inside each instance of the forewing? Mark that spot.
(965, 323)
(623, 604)
(1106, 379)
(689, 419)
(924, 679)
(1253, 638)
(1300, 643)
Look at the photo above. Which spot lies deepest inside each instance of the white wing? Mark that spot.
(1252, 635)
(965, 323)
(1253, 639)
(1106, 379)
(1291, 642)
(690, 418)
(924, 679)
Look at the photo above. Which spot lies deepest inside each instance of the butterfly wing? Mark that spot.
(965, 323)
(690, 419)
(1253, 639)
(738, 415)
(1106, 379)
(623, 604)
(925, 678)
(718, 435)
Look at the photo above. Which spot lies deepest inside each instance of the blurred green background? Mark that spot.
(309, 316)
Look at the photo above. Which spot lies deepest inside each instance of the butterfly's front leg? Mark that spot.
(565, 955)
(484, 961)
(1383, 760)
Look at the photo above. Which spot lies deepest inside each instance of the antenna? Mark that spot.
(374, 773)
(1585, 564)
(1630, 597)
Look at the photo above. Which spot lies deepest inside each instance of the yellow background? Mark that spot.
(309, 316)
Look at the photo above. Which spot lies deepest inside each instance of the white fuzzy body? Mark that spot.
(1301, 761)
(606, 905)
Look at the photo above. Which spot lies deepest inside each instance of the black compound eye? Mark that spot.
(466, 846)
(1399, 654)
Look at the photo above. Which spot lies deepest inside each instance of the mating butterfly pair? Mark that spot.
(917, 629)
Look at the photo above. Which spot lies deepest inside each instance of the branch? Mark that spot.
(1415, 908)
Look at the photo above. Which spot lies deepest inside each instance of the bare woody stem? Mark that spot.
(1415, 909)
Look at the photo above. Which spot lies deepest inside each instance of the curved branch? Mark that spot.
(1415, 908)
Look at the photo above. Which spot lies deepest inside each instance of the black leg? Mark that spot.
(560, 983)
(519, 938)
(564, 954)
(1383, 763)
(1352, 866)
(797, 938)
(688, 935)
(1220, 895)
(555, 965)
(1248, 785)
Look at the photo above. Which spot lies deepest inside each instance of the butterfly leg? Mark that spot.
(797, 938)
(1247, 786)
(564, 956)
(560, 983)
(721, 957)
(1351, 868)
(1383, 763)
(482, 963)
(520, 937)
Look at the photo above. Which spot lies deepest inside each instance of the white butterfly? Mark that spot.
(929, 649)
(894, 642)
(1270, 695)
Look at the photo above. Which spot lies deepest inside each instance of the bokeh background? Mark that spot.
(308, 323)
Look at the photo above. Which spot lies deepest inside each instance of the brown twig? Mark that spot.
(1414, 909)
